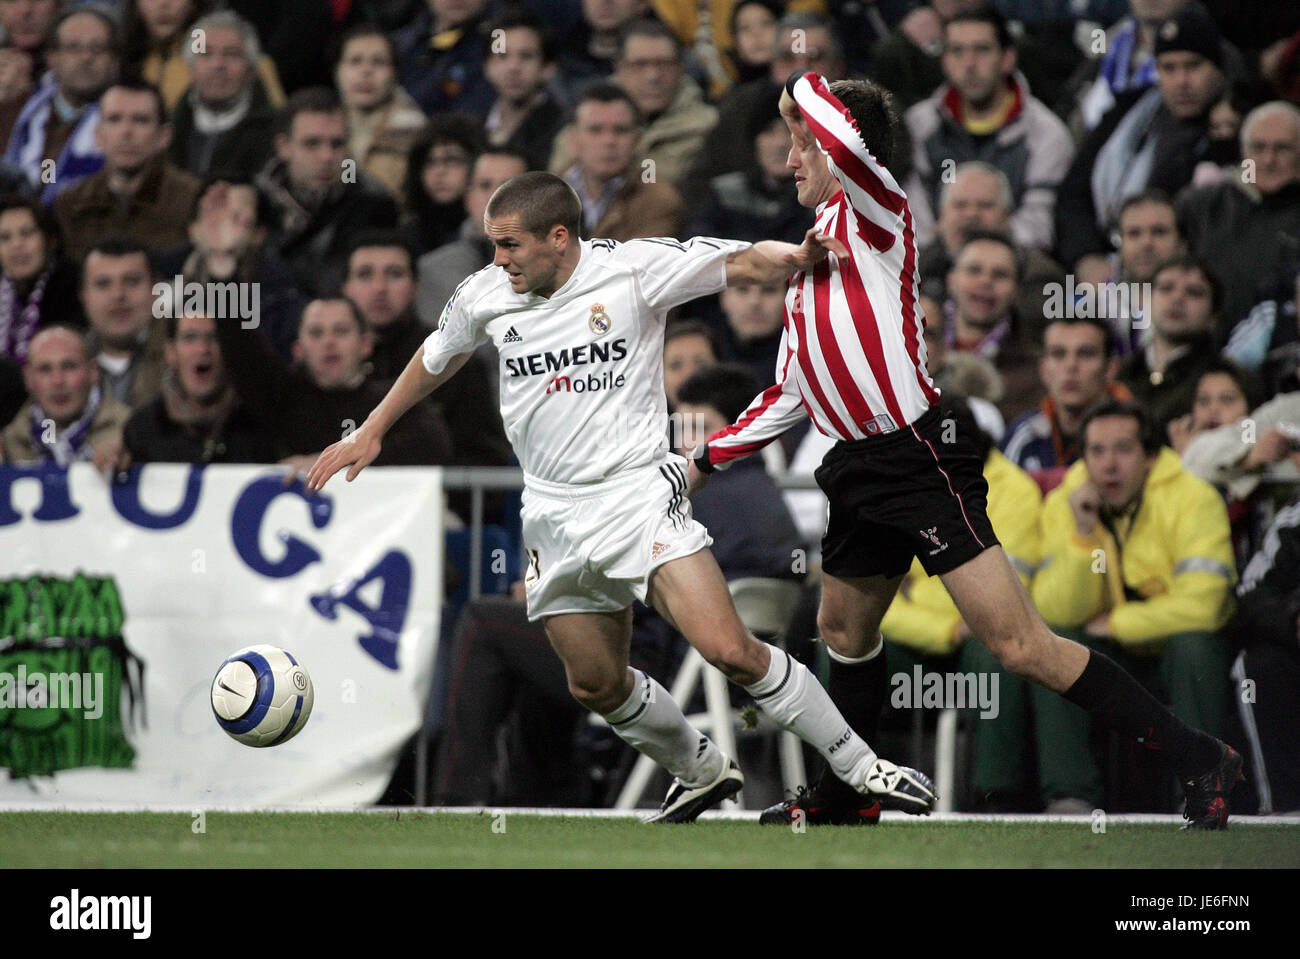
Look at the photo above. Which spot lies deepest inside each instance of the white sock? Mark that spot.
(791, 695)
(651, 722)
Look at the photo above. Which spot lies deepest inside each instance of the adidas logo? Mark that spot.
(657, 549)
(512, 336)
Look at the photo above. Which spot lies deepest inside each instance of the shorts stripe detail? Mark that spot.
(789, 668)
(677, 480)
(947, 479)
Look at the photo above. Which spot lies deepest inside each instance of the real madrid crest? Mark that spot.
(600, 321)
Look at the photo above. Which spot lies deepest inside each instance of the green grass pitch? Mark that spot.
(492, 839)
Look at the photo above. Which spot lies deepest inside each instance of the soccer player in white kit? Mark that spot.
(579, 326)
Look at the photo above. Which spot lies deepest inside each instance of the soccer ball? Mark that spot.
(261, 696)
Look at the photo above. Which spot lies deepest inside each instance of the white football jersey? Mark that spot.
(581, 372)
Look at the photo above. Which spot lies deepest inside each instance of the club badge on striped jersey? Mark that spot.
(600, 321)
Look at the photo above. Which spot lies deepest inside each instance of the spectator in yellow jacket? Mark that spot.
(1137, 561)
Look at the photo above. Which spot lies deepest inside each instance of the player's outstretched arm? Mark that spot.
(360, 448)
(772, 261)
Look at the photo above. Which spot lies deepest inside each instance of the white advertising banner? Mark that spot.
(118, 602)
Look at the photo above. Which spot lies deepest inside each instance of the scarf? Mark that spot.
(17, 332)
(212, 122)
(988, 346)
(69, 445)
(200, 418)
(1124, 163)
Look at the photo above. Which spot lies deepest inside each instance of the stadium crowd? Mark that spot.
(226, 227)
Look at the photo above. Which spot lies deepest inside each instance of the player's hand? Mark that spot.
(1085, 502)
(815, 248)
(357, 449)
(695, 479)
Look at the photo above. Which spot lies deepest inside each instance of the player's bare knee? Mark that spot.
(737, 659)
(840, 638)
(1017, 656)
(596, 695)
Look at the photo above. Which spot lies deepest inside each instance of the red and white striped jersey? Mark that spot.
(852, 355)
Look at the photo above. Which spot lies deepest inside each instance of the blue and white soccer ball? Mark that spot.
(261, 696)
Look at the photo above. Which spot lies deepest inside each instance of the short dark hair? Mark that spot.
(993, 236)
(517, 17)
(605, 91)
(356, 33)
(363, 326)
(380, 237)
(680, 328)
(647, 28)
(116, 245)
(502, 151)
(727, 387)
(307, 100)
(988, 15)
(265, 209)
(1098, 324)
(542, 201)
(41, 214)
(100, 12)
(1109, 407)
(139, 85)
(874, 114)
(1186, 262)
(1249, 384)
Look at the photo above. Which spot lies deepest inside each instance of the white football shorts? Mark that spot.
(592, 548)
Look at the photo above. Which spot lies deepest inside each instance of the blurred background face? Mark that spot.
(330, 345)
(196, 358)
(130, 131)
(810, 49)
(1188, 82)
(1074, 366)
(1181, 306)
(1274, 144)
(59, 374)
(754, 310)
(1148, 235)
(163, 18)
(82, 60)
(605, 135)
(973, 62)
(489, 172)
(380, 283)
(518, 71)
(222, 72)
(983, 283)
(365, 74)
(22, 246)
(27, 23)
(973, 201)
(1116, 462)
(755, 34)
(610, 14)
(314, 151)
(771, 147)
(683, 355)
(1219, 401)
(117, 296)
(446, 172)
(650, 71)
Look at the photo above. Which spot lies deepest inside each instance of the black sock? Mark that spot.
(858, 691)
(1114, 698)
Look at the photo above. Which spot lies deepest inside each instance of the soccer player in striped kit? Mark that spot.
(579, 327)
(902, 482)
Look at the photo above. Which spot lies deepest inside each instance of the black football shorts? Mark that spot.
(918, 491)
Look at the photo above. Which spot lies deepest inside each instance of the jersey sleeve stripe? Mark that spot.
(837, 133)
(913, 324)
